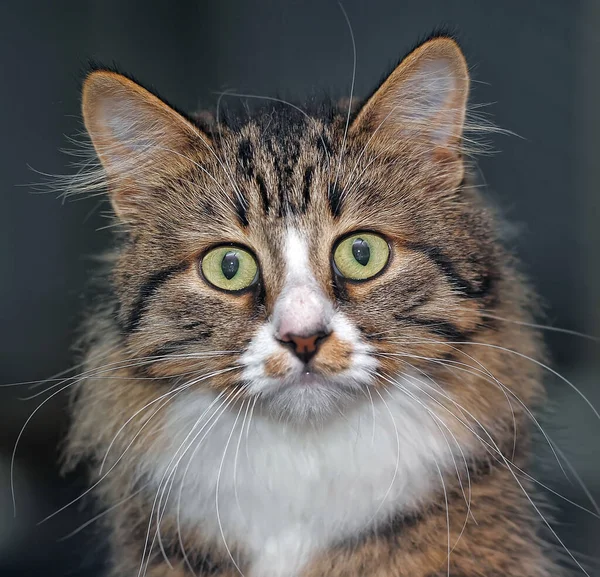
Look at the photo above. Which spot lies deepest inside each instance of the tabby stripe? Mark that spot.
(440, 327)
(245, 156)
(418, 303)
(146, 291)
(264, 195)
(308, 176)
(447, 268)
(202, 564)
(478, 470)
(334, 196)
(241, 209)
(173, 347)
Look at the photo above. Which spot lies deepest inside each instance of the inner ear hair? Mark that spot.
(424, 98)
(137, 136)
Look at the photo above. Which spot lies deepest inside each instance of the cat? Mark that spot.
(316, 357)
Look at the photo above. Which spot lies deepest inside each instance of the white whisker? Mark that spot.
(343, 147)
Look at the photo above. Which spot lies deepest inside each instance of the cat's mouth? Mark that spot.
(308, 396)
(287, 385)
(309, 377)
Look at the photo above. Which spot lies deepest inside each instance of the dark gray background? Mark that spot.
(536, 61)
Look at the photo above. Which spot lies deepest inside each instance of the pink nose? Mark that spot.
(304, 347)
(301, 312)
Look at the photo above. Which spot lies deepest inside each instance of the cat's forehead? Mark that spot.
(282, 169)
(282, 141)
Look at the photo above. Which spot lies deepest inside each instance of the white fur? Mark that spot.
(301, 308)
(301, 488)
(264, 345)
(287, 484)
(296, 257)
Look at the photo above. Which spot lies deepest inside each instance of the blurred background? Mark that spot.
(535, 63)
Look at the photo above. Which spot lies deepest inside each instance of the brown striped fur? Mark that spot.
(437, 305)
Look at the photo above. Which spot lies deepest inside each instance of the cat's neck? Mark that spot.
(283, 494)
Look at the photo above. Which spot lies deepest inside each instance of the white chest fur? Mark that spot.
(283, 495)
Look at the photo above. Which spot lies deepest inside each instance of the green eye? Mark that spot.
(361, 256)
(229, 268)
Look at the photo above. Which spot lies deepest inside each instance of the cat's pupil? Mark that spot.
(361, 251)
(230, 265)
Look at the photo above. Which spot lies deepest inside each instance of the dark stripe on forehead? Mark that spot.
(246, 156)
(308, 177)
(334, 196)
(284, 148)
(241, 209)
(147, 290)
(478, 290)
(245, 161)
(264, 195)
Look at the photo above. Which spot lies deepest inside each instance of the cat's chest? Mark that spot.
(280, 494)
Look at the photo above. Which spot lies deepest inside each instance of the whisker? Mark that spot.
(550, 328)
(368, 389)
(130, 363)
(231, 398)
(105, 512)
(170, 470)
(535, 361)
(248, 427)
(217, 490)
(397, 458)
(171, 394)
(579, 480)
(235, 463)
(524, 473)
(343, 147)
(503, 388)
(60, 374)
(439, 423)
(509, 467)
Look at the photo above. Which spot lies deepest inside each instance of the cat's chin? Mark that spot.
(309, 397)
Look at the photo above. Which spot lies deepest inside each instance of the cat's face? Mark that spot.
(300, 261)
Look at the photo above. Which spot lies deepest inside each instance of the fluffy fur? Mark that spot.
(400, 449)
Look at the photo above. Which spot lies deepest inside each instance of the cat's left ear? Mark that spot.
(424, 99)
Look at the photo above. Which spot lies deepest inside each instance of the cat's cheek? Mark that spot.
(334, 357)
(262, 352)
(277, 365)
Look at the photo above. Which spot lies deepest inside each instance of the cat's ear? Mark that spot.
(424, 98)
(137, 137)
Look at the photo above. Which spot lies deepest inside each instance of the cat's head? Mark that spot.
(292, 258)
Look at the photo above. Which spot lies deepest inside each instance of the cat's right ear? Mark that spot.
(138, 138)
